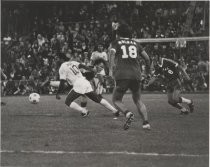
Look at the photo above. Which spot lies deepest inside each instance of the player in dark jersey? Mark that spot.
(125, 68)
(169, 72)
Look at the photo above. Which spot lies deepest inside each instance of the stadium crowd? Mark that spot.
(38, 36)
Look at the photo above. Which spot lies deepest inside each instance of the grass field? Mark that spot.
(49, 134)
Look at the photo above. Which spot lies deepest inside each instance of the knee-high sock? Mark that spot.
(107, 105)
(76, 107)
(184, 100)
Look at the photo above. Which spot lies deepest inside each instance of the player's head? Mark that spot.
(100, 47)
(124, 31)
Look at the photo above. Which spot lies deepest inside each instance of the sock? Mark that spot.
(75, 106)
(83, 104)
(184, 100)
(108, 106)
(126, 111)
(128, 114)
(145, 122)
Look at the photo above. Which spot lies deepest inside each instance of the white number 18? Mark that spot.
(132, 52)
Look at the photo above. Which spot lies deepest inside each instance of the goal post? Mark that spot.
(160, 40)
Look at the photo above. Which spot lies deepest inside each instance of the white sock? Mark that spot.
(184, 100)
(128, 114)
(108, 105)
(76, 106)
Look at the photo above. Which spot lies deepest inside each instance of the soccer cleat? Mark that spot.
(85, 114)
(128, 121)
(146, 126)
(191, 106)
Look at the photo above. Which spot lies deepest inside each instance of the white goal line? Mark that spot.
(104, 153)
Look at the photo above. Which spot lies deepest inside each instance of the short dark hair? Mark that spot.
(124, 31)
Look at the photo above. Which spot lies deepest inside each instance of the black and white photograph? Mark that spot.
(104, 83)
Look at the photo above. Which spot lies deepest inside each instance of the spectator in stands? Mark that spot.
(52, 36)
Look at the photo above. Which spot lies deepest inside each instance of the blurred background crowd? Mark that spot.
(37, 37)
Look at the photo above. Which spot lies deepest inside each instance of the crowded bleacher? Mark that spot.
(38, 36)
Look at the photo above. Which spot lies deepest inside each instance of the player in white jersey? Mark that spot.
(99, 60)
(70, 72)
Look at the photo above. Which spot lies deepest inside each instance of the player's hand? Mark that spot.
(58, 97)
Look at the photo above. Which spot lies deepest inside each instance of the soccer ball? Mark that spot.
(34, 98)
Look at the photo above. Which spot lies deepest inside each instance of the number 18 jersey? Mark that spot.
(127, 64)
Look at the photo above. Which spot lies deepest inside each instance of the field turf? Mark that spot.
(49, 134)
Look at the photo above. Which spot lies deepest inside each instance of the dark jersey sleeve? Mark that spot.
(114, 45)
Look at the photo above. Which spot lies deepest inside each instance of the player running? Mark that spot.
(70, 72)
(124, 59)
(169, 72)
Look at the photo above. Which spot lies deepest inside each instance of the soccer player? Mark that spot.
(99, 60)
(70, 72)
(169, 72)
(125, 66)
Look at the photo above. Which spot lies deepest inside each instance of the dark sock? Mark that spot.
(83, 104)
(145, 122)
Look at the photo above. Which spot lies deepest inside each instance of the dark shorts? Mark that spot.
(173, 85)
(123, 85)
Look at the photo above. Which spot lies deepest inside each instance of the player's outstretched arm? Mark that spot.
(111, 56)
(186, 76)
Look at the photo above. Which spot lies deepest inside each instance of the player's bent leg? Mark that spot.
(70, 101)
(174, 100)
(83, 103)
(96, 98)
(188, 102)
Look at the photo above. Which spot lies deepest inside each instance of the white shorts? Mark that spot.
(82, 86)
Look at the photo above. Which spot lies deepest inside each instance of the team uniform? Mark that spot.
(70, 72)
(126, 71)
(170, 72)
